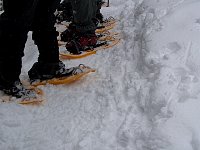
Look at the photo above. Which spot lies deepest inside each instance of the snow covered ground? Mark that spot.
(144, 95)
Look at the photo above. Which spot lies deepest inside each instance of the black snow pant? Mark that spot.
(83, 12)
(18, 19)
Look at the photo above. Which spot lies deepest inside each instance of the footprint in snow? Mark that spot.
(174, 47)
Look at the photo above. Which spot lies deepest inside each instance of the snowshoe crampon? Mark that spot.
(77, 73)
(26, 100)
(104, 42)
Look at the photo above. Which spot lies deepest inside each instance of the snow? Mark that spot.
(144, 95)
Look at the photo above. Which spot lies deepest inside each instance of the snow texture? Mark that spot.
(144, 95)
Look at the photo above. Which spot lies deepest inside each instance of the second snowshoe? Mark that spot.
(104, 41)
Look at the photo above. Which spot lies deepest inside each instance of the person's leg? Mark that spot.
(84, 11)
(14, 26)
(44, 32)
(13, 36)
(45, 37)
(81, 32)
(99, 15)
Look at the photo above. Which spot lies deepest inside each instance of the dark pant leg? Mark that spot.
(44, 32)
(84, 12)
(13, 36)
(99, 16)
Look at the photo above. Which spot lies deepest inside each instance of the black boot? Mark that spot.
(12, 43)
(44, 71)
(17, 90)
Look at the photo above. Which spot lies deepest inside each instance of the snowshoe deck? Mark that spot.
(78, 73)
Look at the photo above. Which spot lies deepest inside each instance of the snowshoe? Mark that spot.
(22, 95)
(80, 43)
(104, 41)
(68, 76)
(44, 71)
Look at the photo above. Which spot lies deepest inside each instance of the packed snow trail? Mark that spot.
(134, 101)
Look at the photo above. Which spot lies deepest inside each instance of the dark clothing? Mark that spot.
(18, 18)
(83, 13)
(22, 16)
(64, 12)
